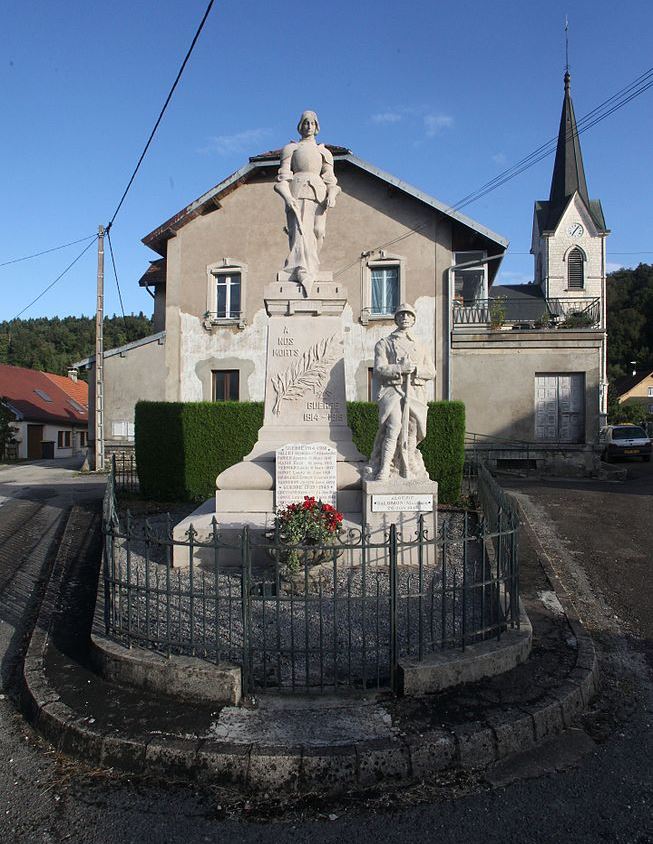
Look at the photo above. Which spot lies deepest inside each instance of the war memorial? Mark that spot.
(315, 568)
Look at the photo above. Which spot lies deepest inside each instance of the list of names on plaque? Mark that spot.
(305, 469)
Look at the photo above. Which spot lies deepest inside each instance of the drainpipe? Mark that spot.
(450, 271)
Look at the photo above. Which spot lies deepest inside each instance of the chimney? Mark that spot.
(633, 363)
(72, 374)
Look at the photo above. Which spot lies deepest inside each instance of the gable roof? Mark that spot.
(568, 173)
(210, 200)
(627, 382)
(39, 396)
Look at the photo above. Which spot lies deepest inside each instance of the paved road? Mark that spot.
(591, 786)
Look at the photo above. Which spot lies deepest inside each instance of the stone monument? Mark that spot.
(305, 417)
(396, 485)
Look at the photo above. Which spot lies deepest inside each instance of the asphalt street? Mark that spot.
(593, 784)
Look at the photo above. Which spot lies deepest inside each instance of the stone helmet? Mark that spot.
(405, 308)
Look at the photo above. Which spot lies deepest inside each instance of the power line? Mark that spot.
(46, 251)
(58, 278)
(115, 274)
(161, 113)
(618, 100)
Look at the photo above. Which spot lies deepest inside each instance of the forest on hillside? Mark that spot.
(52, 344)
(630, 320)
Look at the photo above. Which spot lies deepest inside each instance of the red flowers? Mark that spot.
(311, 520)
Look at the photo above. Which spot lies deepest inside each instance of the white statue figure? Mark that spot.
(308, 185)
(402, 367)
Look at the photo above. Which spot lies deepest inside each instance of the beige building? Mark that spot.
(529, 361)
(636, 389)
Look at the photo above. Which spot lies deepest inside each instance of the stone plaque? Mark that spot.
(305, 374)
(305, 469)
(402, 503)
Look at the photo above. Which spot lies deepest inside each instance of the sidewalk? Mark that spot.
(299, 743)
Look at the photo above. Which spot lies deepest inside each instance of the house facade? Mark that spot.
(50, 412)
(635, 389)
(529, 364)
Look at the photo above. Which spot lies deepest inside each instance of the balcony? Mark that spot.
(528, 313)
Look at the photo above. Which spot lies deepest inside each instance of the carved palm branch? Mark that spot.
(308, 373)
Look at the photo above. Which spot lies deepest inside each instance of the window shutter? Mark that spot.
(575, 280)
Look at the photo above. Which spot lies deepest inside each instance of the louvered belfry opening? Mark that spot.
(575, 274)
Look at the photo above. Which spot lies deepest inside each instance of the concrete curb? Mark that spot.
(179, 676)
(328, 769)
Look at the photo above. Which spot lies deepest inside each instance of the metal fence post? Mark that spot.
(392, 547)
(245, 581)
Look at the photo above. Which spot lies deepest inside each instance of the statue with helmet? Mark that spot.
(402, 368)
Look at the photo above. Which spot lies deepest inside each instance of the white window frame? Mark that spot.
(224, 267)
(375, 261)
(461, 257)
(650, 392)
(122, 429)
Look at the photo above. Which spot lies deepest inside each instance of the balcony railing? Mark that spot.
(535, 313)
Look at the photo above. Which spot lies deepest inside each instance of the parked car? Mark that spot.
(624, 441)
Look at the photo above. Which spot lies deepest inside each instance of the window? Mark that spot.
(63, 439)
(385, 290)
(575, 270)
(83, 439)
(227, 295)
(122, 429)
(226, 385)
(43, 395)
(470, 285)
(650, 392)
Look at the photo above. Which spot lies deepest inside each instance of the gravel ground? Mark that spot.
(327, 625)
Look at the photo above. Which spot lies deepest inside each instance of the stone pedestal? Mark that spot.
(401, 502)
(305, 402)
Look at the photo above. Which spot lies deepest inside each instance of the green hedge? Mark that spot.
(182, 447)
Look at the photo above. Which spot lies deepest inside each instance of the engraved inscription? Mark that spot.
(402, 503)
(305, 469)
(308, 374)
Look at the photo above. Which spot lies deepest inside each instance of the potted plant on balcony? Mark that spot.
(303, 532)
(578, 319)
(497, 312)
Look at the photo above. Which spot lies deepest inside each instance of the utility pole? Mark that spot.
(99, 356)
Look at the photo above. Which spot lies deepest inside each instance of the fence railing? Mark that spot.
(123, 469)
(535, 312)
(345, 614)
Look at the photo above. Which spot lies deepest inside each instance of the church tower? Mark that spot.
(569, 235)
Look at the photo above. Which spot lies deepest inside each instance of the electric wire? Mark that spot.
(626, 94)
(58, 278)
(161, 113)
(616, 101)
(46, 251)
(115, 275)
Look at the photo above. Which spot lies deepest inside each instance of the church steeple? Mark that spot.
(568, 170)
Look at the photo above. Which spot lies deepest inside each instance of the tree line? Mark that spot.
(52, 344)
(630, 320)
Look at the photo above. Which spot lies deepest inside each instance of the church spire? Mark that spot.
(568, 170)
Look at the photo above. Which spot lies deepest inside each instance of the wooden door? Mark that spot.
(34, 438)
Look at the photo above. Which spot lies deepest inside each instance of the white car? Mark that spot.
(624, 441)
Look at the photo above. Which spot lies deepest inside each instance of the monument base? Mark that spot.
(402, 502)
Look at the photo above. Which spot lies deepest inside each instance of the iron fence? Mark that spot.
(123, 469)
(346, 615)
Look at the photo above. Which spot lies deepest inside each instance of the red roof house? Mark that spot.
(50, 411)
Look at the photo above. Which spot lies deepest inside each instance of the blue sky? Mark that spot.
(442, 95)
